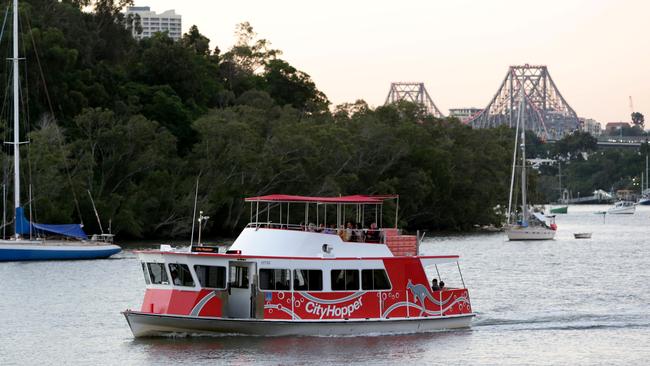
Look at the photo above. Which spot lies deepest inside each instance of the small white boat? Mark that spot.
(622, 207)
(582, 235)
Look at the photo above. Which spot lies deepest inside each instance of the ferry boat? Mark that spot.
(318, 278)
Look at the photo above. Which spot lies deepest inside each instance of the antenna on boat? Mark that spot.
(196, 198)
(201, 220)
(101, 230)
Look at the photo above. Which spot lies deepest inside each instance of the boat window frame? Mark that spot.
(322, 279)
(390, 284)
(345, 269)
(164, 273)
(145, 271)
(189, 271)
(259, 279)
(225, 276)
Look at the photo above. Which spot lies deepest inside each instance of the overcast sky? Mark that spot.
(597, 51)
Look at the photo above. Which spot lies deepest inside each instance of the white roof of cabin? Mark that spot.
(295, 243)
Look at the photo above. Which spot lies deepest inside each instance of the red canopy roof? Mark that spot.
(357, 198)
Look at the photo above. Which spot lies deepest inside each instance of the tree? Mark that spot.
(638, 119)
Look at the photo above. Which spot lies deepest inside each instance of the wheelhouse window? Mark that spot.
(374, 279)
(238, 277)
(308, 280)
(275, 279)
(211, 276)
(181, 275)
(146, 274)
(345, 279)
(158, 274)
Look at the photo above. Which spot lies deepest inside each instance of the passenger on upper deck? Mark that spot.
(442, 285)
(349, 233)
(372, 235)
(330, 230)
(358, 233)
(343, 233)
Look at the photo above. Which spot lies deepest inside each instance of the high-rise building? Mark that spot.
(590, 125)
(152, 23)
(463, 114)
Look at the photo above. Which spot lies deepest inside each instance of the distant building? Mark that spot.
(463, 114)
(153, 23)
(591, 126)
(612, 128)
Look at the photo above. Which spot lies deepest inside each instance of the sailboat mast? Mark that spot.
(522, 106)
(16, 142)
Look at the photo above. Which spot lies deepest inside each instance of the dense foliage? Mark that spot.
(134, 124)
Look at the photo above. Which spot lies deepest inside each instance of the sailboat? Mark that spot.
(530, 225)
(563, 208)
(34, 241)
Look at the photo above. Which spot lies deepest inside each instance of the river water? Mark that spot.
(566, 301)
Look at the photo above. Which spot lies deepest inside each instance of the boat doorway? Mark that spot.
(242, 289)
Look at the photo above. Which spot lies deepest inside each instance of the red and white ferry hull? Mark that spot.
(153, 325)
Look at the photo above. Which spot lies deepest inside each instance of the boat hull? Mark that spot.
(559, 210)
(622, 211)
(152, 325)
(644, 201)
(12, 251)
(530, 233)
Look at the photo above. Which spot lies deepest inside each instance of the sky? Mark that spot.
(597, 51)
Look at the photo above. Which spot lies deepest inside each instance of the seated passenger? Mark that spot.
(343, 233)
(442, 286)
(349, 234)
(358, 233)
(330, 230)
(372, 235)
(175, 278)
(434, 285)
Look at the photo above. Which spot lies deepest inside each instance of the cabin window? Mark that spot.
(345, 279)
(238, 277)
(308, 280)
(374, 279)
(158, 274)
(275, 279)
(181, 275)
(211, 276)
(146, 275)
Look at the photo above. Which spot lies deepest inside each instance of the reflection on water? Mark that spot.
(565, 301)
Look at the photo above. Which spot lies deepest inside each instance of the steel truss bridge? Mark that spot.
(415, 93)
(546, 113)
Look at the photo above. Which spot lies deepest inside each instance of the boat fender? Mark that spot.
(553, 226)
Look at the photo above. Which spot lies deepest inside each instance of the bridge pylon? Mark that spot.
(415, 93)
(547, 113)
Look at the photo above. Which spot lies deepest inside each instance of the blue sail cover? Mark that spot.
(24, 227)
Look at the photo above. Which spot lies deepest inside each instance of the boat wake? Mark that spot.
(566, 322)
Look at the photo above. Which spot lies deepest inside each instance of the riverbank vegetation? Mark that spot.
(136, 123)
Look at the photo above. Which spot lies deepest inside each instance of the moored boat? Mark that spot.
(280, 278)
(528, 225)
(33, 241)
(559, 209)
(582, 235)
(622, 208)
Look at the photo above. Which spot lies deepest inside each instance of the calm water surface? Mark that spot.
(567, 301)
